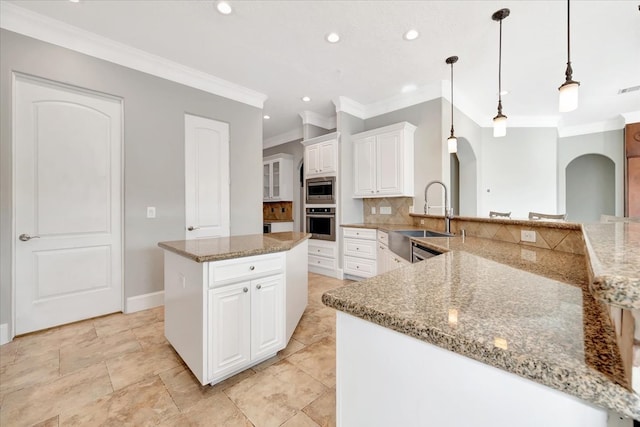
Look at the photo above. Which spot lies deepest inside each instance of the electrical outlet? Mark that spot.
(422, 222)
(151, 212)
(411, 209)
(528, 236)
(385, 210)
(373, 210)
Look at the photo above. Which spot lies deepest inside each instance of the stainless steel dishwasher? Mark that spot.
(420, 252)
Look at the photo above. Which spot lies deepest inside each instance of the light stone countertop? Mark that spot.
(530, 313)
(614, 256)
(204, 250)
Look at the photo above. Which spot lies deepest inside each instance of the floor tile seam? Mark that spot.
(246, 416)
(330, 390)
(311, 375)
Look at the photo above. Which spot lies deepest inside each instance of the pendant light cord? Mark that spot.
(569, 31)
(452, 99)
(500, 71)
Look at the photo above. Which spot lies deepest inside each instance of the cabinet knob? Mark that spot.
(258, 286)
(357, 249)
(318, 250)
(245, 289)
(252, 268)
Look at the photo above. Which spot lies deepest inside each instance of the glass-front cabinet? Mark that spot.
(277, 178)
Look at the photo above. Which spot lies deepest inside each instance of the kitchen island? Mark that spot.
(488, 334)
(232, 302)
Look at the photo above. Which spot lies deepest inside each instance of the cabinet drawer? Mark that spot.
(318, 261)
(360, 233)
(359, 266)
(222, 272)
(383, 237)
(325, 251)
(360, 248)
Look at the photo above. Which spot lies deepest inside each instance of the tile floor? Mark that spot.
(120, 370)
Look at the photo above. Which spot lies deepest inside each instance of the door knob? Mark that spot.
(191, 228)
(26, 237)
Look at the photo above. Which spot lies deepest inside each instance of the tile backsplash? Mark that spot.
(392, 210)
(272, 211)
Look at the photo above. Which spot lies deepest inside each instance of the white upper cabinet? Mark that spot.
(321, 155)
(383, 161)
(277, 178)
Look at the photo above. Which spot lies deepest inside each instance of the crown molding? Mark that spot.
(282, 138)
(25, 22)
(349, 106)
(315, 119)
(595, 127)
(631, 117)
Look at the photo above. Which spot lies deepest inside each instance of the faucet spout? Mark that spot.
(448, 213)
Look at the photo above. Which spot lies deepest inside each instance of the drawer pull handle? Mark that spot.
(245, 289)
(252, 268)
(258, 286)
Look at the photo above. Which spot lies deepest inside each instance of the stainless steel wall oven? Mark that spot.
(321, 223)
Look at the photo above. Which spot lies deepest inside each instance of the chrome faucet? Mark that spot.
(448, 213)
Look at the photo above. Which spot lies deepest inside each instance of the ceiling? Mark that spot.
(278, 48)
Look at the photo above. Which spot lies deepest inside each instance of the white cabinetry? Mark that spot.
(277, 227)
(321, 155)
(277, 178)
(387, 260)
(359, 246)
(383, 161)
(323, 257)
(225, 316)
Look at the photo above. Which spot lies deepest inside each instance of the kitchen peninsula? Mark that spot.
(490, 333)
(232, 302)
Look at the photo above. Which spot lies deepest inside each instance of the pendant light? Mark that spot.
(452, 141)
(568, 99)
(500, 120)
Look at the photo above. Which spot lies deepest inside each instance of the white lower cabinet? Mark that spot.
(323, 257)
(387, 260)
(223, 317)
(359, 245)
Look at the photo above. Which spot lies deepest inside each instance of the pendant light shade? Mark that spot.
(568, 100)
(500, 120)
(452, 141)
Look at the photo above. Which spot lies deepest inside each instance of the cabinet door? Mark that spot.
(267, 316)
(275, 179)
(266, 180)
(364, 166)
(382, 258)
(327, 155)
(389, 163)
(229, 346)
(311, 160)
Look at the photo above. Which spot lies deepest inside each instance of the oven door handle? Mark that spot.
(320, 216)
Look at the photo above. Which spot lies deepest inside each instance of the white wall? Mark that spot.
(519, 172)
(609, 144)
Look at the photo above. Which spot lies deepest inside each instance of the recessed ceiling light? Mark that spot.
(266, 117)
(224, 7)
(409, 88)
(411, 35)
(333, 37)
(306, 99)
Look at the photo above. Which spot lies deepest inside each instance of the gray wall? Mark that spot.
(590, 188)
(153, 154)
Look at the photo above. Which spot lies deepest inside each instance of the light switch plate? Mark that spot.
(373, 210)
(528, 236)
(385, 210)
(151, 212)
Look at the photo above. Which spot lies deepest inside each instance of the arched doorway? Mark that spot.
(590, 188)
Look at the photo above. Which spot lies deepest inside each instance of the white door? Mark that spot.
(229, 345)
(67, 158)
(206, 146)
(389, 163)
(267, 316)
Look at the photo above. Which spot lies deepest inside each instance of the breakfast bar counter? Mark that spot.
(524, 310)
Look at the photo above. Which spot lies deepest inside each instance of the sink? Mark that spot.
(400, 243)
(423, 233)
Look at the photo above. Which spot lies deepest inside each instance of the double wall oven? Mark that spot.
(321, 212)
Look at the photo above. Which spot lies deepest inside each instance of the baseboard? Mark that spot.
(4, 333)
(144, 302)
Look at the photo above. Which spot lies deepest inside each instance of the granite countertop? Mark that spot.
(534, 317)
(549, 223)
(614, 256)
(204, 250)
(269, 221)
